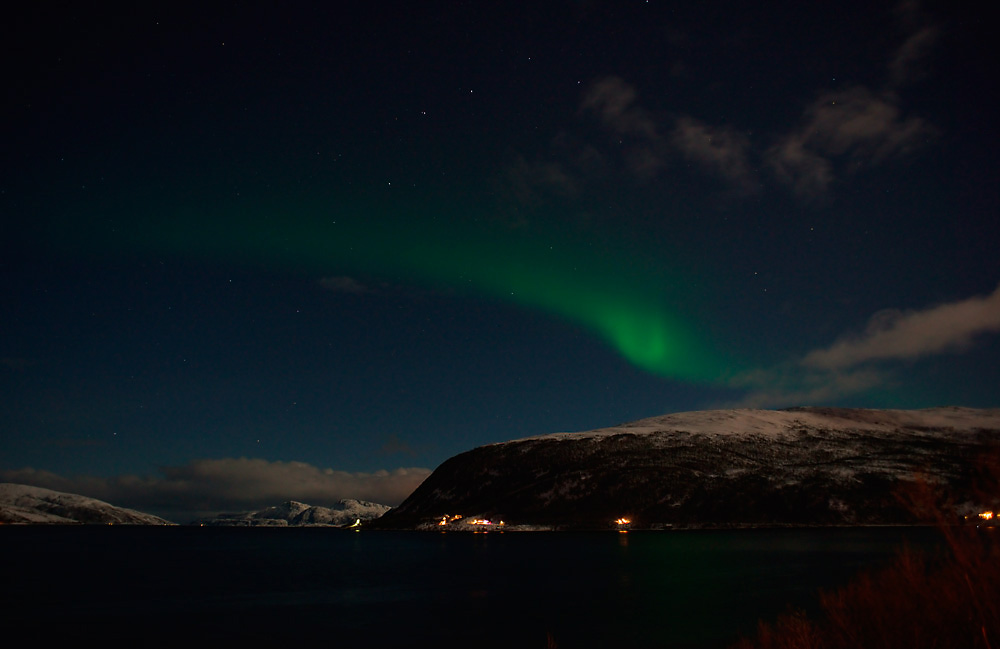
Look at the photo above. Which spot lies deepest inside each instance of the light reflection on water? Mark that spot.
(638, 589)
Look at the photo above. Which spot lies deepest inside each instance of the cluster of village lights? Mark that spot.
(446, 519)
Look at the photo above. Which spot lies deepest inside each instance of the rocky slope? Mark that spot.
(296, 514)
(724, 468)
(24, 505)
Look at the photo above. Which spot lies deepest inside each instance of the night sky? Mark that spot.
(255, 252)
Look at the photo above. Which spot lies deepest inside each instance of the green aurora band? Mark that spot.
(600, 283)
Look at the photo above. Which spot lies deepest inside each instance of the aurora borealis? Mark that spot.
(365, 240)
(620, 295)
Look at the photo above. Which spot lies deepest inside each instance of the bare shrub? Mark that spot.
(947, 600)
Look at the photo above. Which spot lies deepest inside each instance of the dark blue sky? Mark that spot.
(257, 252)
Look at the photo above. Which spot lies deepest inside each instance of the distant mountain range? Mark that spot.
(295, 514)
(24, 505)
(721, 468)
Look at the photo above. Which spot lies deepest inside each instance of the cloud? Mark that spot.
(855, 364)
(921, 36)
(903, 68)
(230, 484)
(858, 123)
(855, 125)
(844, 130)
(343, 284)
(898, 335)
(807, 172)
(613, 100)
(847, 129)
(839, 132)
(719, 149)
(792, 385)
(528, 181)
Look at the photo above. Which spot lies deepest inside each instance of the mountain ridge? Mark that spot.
(292, 513)
(28, 505)
(714, 468)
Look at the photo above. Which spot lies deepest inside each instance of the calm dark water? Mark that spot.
(201, 586)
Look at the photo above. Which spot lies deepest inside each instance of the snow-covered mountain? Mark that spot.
(801, 466)
(24, 505)
(292, 513)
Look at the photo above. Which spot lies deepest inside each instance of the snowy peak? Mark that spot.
(26, 505)
(287, 510)
(295, 514)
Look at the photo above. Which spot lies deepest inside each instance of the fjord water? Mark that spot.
(202, 586)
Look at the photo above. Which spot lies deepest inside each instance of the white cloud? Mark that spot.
(855, 364)
(907, 335)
